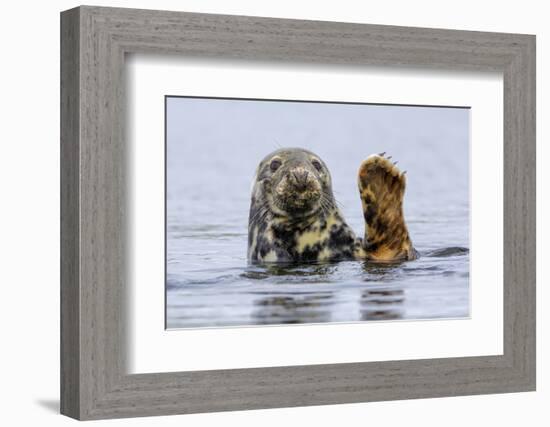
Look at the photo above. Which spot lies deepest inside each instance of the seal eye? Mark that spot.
(275, 164)
(317, 164)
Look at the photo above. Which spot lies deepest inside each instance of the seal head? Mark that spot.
(293, 214)
(296, 182)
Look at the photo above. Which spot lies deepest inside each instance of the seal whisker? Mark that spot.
(338, 203)
(330, 200)
(262, 215)
(326, 206)
(257, 214)
(324, 211)
(262, 210)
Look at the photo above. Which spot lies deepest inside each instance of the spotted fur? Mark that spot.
(294, 217)
(382, 187)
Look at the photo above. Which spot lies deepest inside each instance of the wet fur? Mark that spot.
(278, 235)
(382, 187)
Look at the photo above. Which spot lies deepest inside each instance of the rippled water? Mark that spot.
(213, 147)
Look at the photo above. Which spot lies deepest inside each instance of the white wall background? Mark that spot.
(29, 225)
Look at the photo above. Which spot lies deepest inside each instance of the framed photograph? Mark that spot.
(301, 264)
(338, 212)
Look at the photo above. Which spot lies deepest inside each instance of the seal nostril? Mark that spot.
(301, 179)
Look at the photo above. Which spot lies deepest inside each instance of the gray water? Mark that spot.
(213, 147)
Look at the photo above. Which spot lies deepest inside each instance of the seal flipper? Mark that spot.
(382, 187)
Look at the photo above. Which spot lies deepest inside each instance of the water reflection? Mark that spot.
(285, 309)
(290, 271)
(382, 303)
(433, 286)
(376, 302)
(311, 306)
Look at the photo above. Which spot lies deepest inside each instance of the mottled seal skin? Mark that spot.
(382, 187)
(294, 217)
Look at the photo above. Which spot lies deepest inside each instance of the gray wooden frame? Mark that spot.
(94, 382)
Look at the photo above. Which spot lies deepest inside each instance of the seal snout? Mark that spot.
(298, 190)
(299, 177)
